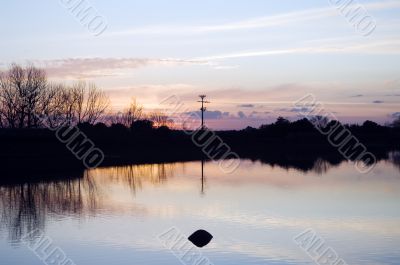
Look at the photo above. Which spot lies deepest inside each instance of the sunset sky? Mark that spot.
(253, 59)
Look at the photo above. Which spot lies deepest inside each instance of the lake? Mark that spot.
(257, 215)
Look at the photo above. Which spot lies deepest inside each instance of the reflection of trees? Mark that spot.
(302, 163)
(21, 210)
(25, 207)
(321, 166)
(394, 157)
(135, 175)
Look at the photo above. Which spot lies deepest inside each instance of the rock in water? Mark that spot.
(200, 238)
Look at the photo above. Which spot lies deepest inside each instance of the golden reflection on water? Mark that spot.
(134, 176)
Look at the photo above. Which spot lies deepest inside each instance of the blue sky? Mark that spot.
(262, 53)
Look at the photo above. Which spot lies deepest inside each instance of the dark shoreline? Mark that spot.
(27, 154)
(53, 167)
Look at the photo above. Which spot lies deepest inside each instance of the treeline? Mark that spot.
(297, 140)
(283, 143)
(284, 127)
(26, 95)
(302, 132)
(132, 135)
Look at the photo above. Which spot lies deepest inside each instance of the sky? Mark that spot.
(253, 59)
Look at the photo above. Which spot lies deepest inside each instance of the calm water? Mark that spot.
(114, 215)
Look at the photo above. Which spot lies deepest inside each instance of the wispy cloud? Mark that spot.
(101, 67)
(251, 23)
(241, 115)
(246, 106)
(212, 114)
(389, 46)
(395, 115)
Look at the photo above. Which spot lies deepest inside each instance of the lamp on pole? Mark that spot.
(203, 109)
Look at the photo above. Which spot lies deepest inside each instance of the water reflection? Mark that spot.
(394, 157)
(25, 207)
(28, 206)
(134, 176)
(202, 177)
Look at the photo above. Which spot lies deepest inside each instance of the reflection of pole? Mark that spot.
(203, 109)
(202, 176)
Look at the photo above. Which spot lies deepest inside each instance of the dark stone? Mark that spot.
(200, 238)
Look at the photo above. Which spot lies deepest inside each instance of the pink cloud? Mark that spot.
(83, 68)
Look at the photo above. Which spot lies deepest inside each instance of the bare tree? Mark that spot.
(16, 80)
(36, 82)
(80, 103)
(21, 90)
(160, 119)
(54, 105)
(96, 104)
(8, 102)
(129, 115)
(25, 94)
(76, 99)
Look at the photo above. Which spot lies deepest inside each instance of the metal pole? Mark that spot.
(202, 114)
(203, 109)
